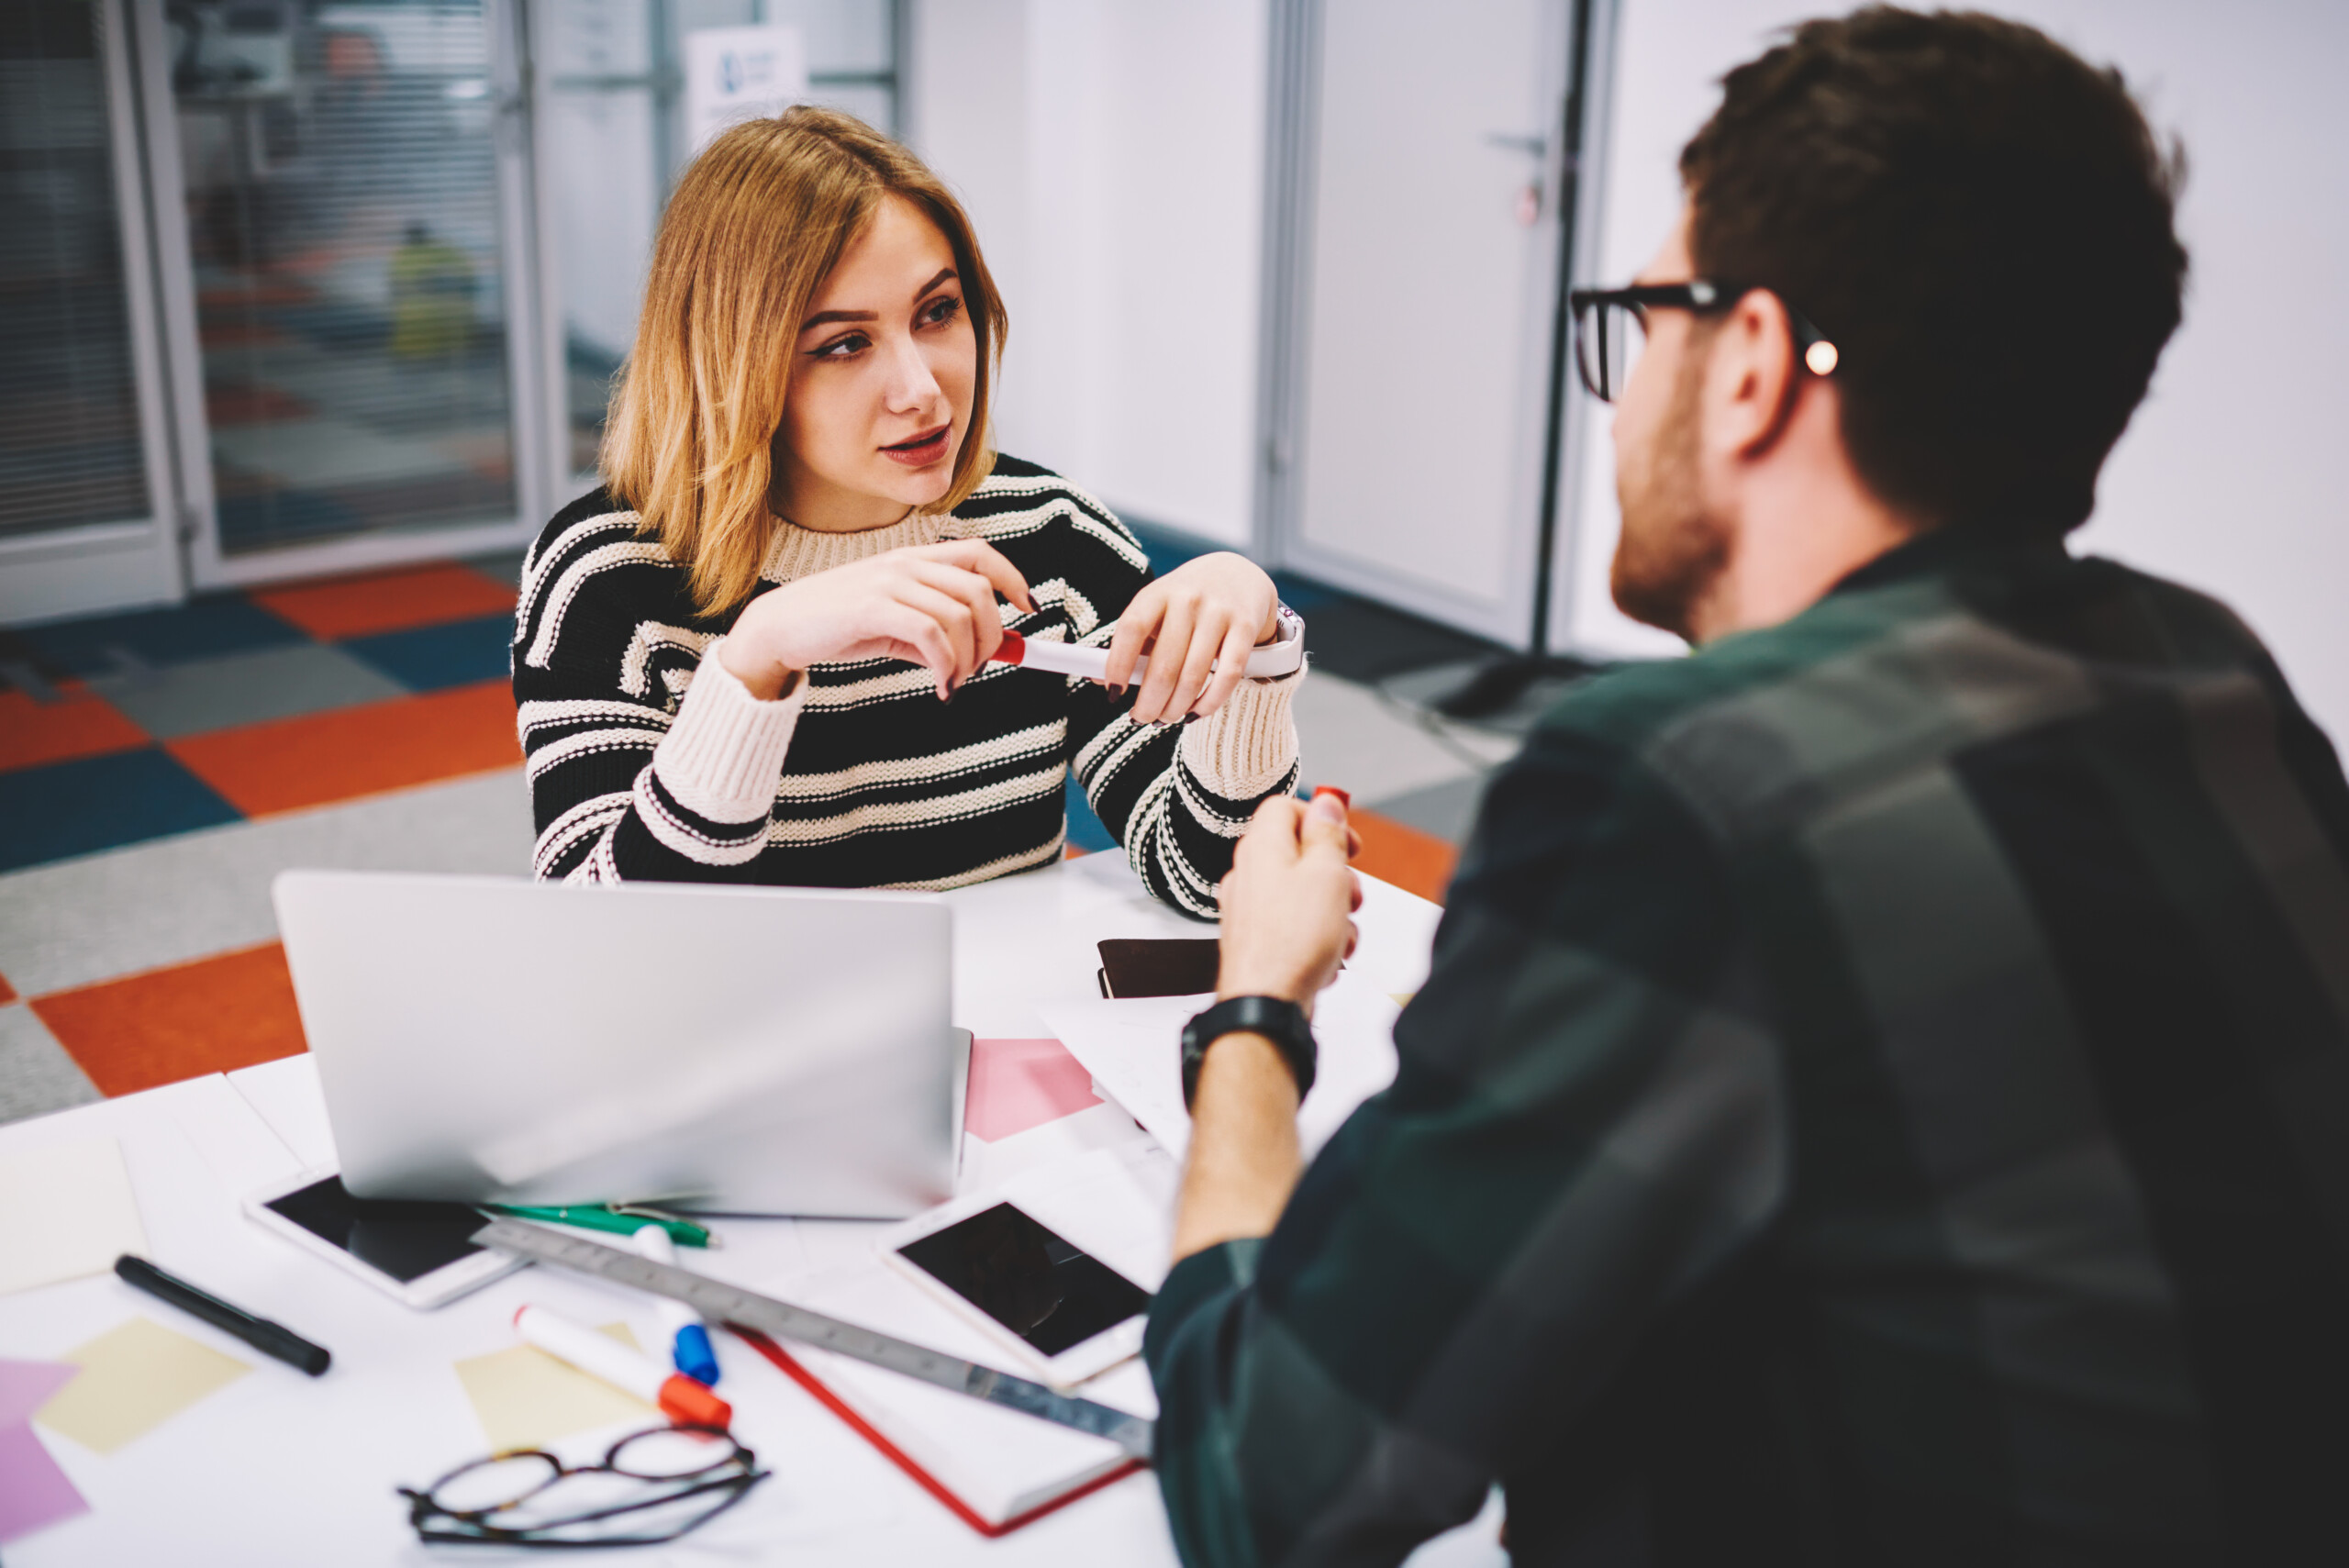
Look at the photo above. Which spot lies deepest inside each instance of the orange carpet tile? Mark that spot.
(214, 1015)
(82, 725)
(317, 759)
(387, 601)
(1415, 862)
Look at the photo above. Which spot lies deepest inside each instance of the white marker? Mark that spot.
(689, 1344)
(1281, 658)
(681, 1399)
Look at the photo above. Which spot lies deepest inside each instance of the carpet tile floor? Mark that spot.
(159, 769)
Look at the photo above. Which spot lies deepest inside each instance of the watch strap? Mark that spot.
(1274, 1018)
(1284, 656)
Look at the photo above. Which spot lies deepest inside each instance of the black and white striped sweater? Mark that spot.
(650, 761)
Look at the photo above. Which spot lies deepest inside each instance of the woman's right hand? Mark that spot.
(931, 604)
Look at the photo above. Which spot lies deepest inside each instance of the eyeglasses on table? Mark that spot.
(651, 1487)
(1611, 325)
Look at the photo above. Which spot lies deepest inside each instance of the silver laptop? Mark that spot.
(742, 1050)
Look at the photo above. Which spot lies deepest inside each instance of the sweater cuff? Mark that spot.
(1247, 746)
(724, 751)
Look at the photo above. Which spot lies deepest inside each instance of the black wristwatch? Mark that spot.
(1282, 1022)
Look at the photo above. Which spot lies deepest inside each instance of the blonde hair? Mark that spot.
(756, 224)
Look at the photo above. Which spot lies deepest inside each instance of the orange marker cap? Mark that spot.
(690, 1404)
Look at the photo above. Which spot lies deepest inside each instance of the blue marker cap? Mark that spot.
(692, 1355)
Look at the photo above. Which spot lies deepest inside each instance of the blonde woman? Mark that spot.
(760, 651)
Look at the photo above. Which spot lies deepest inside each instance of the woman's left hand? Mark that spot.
(1206, 612)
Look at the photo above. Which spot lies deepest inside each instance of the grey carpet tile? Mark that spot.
(244, 688)
(1444, 810)
(36, 1074)
(1347, 737)
(170, 900)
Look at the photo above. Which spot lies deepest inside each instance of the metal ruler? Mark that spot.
(722, 1303)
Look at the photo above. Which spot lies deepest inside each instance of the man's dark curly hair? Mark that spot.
(1982, 223)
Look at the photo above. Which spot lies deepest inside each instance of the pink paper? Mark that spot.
(1020, 1083)
(33, 1491)
(26, 1387)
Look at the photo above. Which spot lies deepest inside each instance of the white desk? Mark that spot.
(278, 1468)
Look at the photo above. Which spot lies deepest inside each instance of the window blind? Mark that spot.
(70, 450)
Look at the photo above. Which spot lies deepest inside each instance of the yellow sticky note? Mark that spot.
(134, 1378)
(527, 1398)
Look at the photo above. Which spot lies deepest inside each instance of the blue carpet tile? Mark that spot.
(200, 629)
(428, 658)
(1085, 830)
(96, 803)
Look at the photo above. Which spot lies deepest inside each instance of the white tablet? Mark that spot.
(1057, 1309)
(421, 1252)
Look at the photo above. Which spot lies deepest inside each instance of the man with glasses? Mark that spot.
(1883, 1091)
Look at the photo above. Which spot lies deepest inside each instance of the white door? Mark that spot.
(1429, 297)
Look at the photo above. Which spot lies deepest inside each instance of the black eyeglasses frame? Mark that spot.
(474, 1528)
(1701, 296)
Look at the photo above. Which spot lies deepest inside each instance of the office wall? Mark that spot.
(1111, 153)
(2228, 479)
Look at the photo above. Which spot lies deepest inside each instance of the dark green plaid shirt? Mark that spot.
(1882, 1096)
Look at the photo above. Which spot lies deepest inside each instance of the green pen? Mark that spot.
(622, 1219)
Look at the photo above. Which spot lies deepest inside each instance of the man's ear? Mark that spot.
(1750, 379)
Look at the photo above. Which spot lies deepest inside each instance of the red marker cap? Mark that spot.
(690, 1404)
(1012, 649)
(1343, 798)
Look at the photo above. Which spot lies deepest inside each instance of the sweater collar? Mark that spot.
(795, 553)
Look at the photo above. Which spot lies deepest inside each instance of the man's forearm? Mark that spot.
(1243, 1161)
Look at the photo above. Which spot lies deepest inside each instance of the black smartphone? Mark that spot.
(1026, 1280)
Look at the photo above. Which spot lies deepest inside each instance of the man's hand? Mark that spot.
(1286, 900)
(1285, 932)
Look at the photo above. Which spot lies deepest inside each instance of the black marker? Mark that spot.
(270, 1339)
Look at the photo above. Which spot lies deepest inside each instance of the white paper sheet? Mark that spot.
(66, 1211)
(1134, 1051)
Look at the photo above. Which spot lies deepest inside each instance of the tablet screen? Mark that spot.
(1027, 1278)
(406, 1241)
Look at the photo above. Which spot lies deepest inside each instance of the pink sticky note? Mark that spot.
(1020, 1084)
(26, 1387)
(33, 1491)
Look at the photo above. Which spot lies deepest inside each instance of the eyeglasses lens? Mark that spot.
(676, 1454)
(1607, 340)
(494, 1483)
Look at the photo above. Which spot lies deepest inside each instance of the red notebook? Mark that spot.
(991, 1509)
(995, 1468)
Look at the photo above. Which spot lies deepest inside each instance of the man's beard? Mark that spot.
(1670, 553)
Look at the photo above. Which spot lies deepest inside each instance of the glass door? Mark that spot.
(340, 257)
